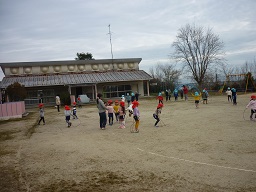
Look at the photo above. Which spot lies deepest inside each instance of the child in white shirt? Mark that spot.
(110, 110)
(252, 105)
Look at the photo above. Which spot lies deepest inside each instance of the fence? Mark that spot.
(31, 101)
(12, 110)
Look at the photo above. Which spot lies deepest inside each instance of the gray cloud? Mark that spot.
(57, 30)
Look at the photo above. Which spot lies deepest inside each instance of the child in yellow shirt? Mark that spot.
(116, 107)
(197, 98)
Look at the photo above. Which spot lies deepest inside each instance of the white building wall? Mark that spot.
(140, 88)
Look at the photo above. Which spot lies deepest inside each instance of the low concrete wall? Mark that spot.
(12, 110)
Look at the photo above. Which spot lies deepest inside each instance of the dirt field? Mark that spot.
(209, 149)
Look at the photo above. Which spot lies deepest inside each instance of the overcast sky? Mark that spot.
(49, 30)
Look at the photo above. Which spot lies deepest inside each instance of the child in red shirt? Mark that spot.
(160, 98)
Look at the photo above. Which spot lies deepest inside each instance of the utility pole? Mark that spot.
(110, 41)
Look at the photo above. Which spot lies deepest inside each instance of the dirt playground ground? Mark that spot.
(210, 149)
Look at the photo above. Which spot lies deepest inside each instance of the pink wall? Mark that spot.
(12, 109)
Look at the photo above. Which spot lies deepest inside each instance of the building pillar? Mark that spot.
(96, 91)
(69, 89)
(148, 87)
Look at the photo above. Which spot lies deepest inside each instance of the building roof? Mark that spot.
(75, 78)
(70, 62)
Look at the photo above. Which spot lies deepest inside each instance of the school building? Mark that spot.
(46, 79)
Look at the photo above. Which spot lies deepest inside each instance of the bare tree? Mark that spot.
(197, 49)
(165, 74)
(152, 72)
(169, 73)
(226, 69)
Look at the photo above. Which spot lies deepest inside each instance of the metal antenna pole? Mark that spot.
(110, 40)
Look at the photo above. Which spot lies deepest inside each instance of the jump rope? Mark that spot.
(245, 118)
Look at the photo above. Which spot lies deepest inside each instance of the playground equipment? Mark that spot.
(248, 76)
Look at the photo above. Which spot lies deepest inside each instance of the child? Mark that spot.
(57, 100)
(116, 107)
(128, 99)
(74, 111)
(181, 93)
(166, 95)
(110, 112)
(170, 94)
(136, 115)
(205, 96)
(197, 98)
(122, 115)
(123, 98)
(234, 95)
(41, 113)
(160, 98)
(79, 102)
(67, 113)
(185, 91)
(130, 109)
(176, 94)
(133, 97)
(252, 105)
(157, 113)
(229, 93)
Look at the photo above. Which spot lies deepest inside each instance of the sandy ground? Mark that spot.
(212, 148)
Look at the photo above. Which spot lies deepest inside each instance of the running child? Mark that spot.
(67, 113)
(116, 107)
(128, 99)
(110, 110)
(157, 113)
(252, 105)
(229, 94)
(234, 96)
(74, 111)
(205, 96)
(197, 98)
(122, 115)
(176, 94)
(160, 98)
(185, 91)
(41, 113)
(133, 98)
(136, 115)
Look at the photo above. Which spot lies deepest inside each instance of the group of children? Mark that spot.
(67, 112)
(119, 110)
(196, 96)
(232, 95)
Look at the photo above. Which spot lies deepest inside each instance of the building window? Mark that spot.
(116, 91)
(47, 95)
